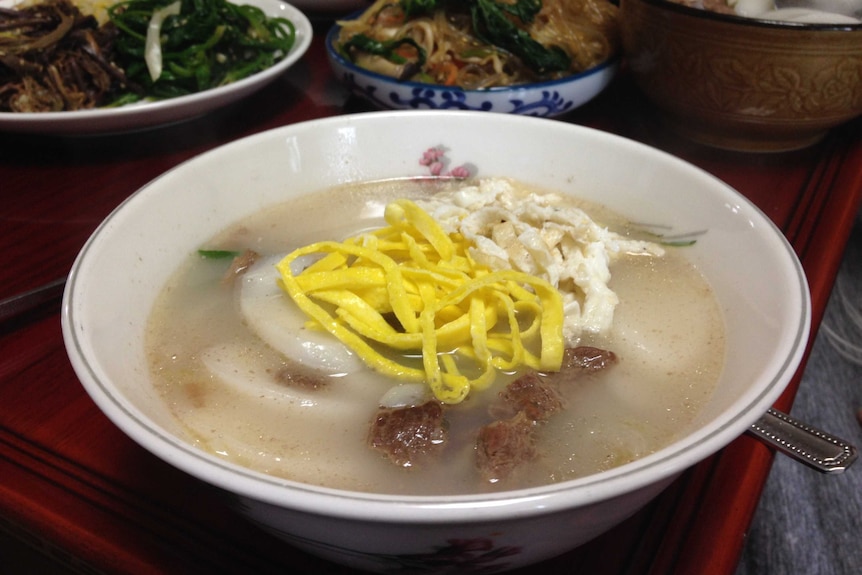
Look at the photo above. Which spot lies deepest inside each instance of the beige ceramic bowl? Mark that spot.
(740, 83)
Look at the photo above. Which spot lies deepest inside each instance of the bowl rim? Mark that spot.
(335, 55)
(748, 21)
(300, 497)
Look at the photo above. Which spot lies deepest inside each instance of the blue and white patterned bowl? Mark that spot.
(544, 99)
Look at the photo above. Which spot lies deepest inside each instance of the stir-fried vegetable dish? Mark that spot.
(478, 44)
(55, 58)
(199, 44)
(52, 57)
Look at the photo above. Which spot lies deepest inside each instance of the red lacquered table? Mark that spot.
(78, 489)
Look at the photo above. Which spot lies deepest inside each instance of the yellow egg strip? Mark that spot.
(444, 305)
(331, 261)
(407, 215)
(355, 312)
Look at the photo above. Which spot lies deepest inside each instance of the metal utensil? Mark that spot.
(811, 446)
(21, 303)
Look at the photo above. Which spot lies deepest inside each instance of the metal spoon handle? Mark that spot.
(19, 304)
(811, 446)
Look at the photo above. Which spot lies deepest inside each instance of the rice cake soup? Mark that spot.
(634, 329)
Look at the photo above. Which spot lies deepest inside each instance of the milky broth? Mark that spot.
(668, 334)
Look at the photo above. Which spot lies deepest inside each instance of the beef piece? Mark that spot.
(239, 265)
(586, 357)
(503, 445)
(533, 395)
(525, 404)
(407, 434)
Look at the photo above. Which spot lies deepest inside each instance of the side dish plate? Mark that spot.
(154, 113)
(544, 99)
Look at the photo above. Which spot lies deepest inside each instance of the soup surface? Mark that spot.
(231, 359)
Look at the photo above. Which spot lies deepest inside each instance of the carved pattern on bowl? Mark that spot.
(767, 85)
(740, 84)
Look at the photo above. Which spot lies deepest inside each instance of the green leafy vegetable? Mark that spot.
(387, 49)
(217, 254)
(494, 22)
(416, 7)
(491, 24)
(210, 43)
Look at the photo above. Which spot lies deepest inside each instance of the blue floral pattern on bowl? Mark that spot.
(544, 99)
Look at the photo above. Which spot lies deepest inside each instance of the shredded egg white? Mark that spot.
(537, 233)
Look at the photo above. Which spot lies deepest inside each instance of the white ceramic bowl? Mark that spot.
(545, 99)
(753, 271)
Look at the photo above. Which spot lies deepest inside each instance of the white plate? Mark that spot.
(149, 114)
